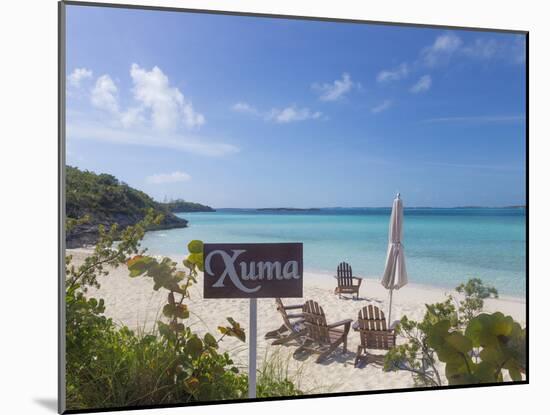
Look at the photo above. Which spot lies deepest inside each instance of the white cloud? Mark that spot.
(132, 117)
(245, 108)
(482, 48)
(402, 71)
(104, 94)
(77, 75)
(292, 114)
(285, 115)
(448, 42)
(422, 85)
(174, 177)
(167, 104)
(156, 118)
(487, 49)
(147, 138)
(442, 48)
(478, 119)
(383, 106)
(448, 46)
(335, 90)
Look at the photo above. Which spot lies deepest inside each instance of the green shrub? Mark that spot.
(473, 347)
(110, 366)
(275, 378)
(489, 344)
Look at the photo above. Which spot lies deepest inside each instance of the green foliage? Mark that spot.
(94, 200)
(275, 378)
(474, 293)
(490, 343)
(113, 366)
(103, 195)
(110, 366)
(415, 356)
(446, 335)
(99, 368)
(106, 253)
(180, 205)
(198, 370)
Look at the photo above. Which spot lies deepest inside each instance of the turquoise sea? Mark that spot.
(443, 247)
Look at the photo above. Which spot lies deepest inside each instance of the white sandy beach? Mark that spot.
(132, 302)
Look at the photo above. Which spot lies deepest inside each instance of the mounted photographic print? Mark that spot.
(260, 207)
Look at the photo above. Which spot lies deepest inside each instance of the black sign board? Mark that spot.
(263, 270)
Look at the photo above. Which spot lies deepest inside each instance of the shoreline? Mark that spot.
(325, 279)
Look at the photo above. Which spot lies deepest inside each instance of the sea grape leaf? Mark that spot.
(196, 259)
(459, 342)
(191, 384)
(195, 247)
(210, 341)
(138, 265)
(194, 347)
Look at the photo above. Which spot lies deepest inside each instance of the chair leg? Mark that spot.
(324, 355)
(345, 345)
(298, 350)
(358, 355)
(276, 333)
(288, 338)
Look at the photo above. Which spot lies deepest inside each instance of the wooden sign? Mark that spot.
(264, 270)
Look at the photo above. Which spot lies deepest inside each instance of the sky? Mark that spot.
(239, 111)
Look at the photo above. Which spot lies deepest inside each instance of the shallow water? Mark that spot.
(443, 247)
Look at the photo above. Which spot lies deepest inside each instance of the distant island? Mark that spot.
(491, 207)
(106, 201)
(182, 206)
(284, 209)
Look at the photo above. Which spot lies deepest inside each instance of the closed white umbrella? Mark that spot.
(395, 273)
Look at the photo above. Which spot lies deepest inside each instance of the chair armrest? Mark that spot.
(340, 323)
(295, 315)
(358, 278)
(293, 307)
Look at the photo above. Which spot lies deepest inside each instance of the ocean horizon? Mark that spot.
(443, 246)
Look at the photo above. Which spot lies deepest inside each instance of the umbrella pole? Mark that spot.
(389, 312)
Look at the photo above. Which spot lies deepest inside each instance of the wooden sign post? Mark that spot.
(253, 271)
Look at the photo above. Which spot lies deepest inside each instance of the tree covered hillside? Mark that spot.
(106, 200)
(180, 205)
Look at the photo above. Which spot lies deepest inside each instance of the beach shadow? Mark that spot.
(339, 357)
(48, 403)
(371, 359)
(302, 355)
(367, 299)
(336, 357)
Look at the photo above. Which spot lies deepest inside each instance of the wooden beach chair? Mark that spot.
(345, 277)
(372, 328)
(321, 337)
(293, 324)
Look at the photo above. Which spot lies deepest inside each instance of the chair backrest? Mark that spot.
(344, 275)
(284, 315)
(373, 329)
(315, 321)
